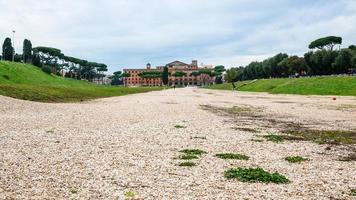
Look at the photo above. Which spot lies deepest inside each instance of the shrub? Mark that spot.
(232, 156)
(295, 159)
(255, 175)
(46, 69)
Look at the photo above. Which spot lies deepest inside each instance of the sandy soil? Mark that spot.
(105, 148)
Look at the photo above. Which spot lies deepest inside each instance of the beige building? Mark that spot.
(176, 66)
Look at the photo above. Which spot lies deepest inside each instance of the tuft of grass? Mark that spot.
(187, 164)
(255, 175)
(130, 194)
(326, 136)
(234, 156)
(274, 138)
(295, 159)
(193, 151)
(188, 157)
(353, 192)
(73, 190)
(179, 126)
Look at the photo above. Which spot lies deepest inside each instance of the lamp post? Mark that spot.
(13, 41)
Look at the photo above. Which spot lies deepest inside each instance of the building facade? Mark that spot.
(173, 67)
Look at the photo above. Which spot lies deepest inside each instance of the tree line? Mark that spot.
(52, 60)
(322, 59)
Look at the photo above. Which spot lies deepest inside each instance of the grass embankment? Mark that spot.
(28, 82)
(343, 86)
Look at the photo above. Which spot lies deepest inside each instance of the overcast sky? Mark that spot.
(130, 33)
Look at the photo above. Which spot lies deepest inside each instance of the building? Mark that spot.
(173, 67)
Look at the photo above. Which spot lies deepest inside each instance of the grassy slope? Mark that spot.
(343, 86)
(30, 83)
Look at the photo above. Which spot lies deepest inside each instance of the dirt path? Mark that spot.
(107, 148)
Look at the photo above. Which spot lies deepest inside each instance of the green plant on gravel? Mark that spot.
(187, 164)
(353, 192)
(179, 126)
(295, 159)
(255, 175)
(257, 140)
(73, 190)
(326, 136)
(274, 138)
(188, 157)
(193, 151)
(130, 194)
(234, 156)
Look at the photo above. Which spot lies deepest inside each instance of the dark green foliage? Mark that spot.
(116, 79)
(165, 76)
(179, 74)
(18, 58)
(36, 60)
(7, 50)
(187, 164)
(179, 126)
(234, 156)
(343, 62)
(150, 74)
(218, 71)
(274, 138)
(27, 51)
(46, 69)
(193, 151)
(353, 192)
(295, 159)
(255, 175)
(329, 42)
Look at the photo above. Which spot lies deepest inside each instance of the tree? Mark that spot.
(329, 42)
(116, 79)
(296, 64)
(125, 75)
(218, 71)
(230, 77)
(165, 76)
(36, 60)
(343, 62)
(7, 50)
(27, 51)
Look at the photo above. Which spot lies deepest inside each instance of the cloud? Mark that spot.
(130, 33)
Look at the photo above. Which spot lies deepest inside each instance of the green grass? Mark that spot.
(295, 159)
(274, 138)
(197, 152)
(326, 136)
(344, 86)
(28, 82)
(187, 164)
(234, 156)
(255, 175)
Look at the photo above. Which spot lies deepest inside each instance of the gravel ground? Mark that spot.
(105, 148)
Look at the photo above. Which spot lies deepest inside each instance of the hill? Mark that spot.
(328, 85)
(28, 82)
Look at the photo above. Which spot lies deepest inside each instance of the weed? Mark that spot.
(295, 159)
(179, 126)
(187, 164)
(255, 175)
(193, 151)
(353, 192)
(73, 190)
(274, 138)
(234, 156)
(130, 194)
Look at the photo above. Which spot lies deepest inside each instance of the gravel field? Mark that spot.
(126, 146)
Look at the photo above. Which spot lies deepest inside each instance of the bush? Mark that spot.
(255, 175)
(46, 69)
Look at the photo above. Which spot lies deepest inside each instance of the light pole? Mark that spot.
(13, 41)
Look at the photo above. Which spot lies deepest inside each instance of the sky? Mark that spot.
(131, 33)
